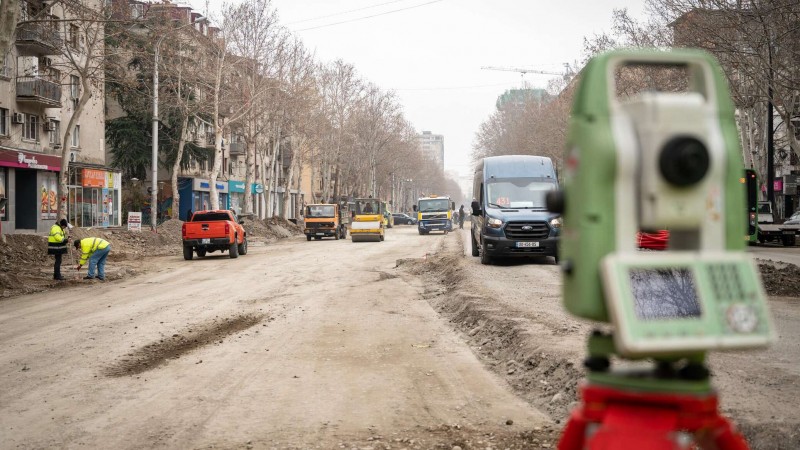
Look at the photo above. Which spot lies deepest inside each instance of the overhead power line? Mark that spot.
(370, 17)
(450, 88)
(345, 12)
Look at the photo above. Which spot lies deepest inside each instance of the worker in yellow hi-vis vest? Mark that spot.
(95, 250)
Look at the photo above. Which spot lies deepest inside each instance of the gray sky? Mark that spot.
(431, 51)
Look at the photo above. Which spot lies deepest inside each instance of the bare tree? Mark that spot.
(9, 12)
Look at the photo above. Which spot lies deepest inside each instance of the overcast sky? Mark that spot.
(431, 51)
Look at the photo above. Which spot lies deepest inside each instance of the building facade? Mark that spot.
(39, 92)
(432, 146)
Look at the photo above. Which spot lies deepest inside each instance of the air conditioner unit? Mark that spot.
(73, 156)
(18, 118)
(46, 62)
(56, 146)
(49, 126)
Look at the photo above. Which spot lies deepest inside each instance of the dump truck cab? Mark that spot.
(323, 220)
(368, 222)
(434, 213)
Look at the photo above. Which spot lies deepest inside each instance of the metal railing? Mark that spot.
(40, 34)
(38, 89)
(237, 148)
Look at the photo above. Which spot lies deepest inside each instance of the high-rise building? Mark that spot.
(432, 146)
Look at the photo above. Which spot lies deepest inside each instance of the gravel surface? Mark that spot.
(511, 315)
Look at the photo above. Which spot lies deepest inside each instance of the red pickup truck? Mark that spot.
(209, 231)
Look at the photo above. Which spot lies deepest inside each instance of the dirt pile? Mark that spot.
(26, 268)
(780, 279)
(512, 347)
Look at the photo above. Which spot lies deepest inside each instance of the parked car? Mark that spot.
(403, 219)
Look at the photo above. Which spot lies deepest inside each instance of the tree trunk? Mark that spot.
(249, 176)
(287, 186)
(176, 168)
(9, 12)
(63, 178)
(212, 179)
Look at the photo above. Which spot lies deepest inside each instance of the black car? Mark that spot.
(403, 219)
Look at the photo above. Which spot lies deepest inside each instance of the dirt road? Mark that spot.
(300, 344)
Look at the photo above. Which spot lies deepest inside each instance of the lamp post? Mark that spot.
(154, 186)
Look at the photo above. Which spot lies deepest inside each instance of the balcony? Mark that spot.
(38, 91)
(237, 148)
(37, 40)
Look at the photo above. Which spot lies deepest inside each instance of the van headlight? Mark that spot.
(491, 222)
(555, 223)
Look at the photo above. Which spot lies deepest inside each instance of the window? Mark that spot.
(30, 130)
(76, 137)
(4, 122)
(74, 86)
(55, 132)
(72, 37)
(6, 70)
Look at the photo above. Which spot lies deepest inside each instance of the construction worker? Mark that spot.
(57, 246)
(95, 250)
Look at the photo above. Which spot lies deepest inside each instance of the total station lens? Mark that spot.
(684, 161)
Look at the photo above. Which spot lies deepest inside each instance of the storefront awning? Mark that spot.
(29, 160)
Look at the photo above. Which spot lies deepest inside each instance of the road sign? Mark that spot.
(134, 221)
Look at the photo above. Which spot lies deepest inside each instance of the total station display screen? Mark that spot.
(661, 294)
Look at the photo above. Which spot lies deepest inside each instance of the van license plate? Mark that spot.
(527, 244)
(205, 241)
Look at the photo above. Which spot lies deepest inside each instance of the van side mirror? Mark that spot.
(453, 205)
(476, 208)
(414, 208)
(555, 201)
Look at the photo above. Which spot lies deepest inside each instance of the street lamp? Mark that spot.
(154, 190)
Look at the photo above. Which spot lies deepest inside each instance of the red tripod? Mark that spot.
(614, 419)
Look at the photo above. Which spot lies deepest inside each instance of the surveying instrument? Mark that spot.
(657, 160)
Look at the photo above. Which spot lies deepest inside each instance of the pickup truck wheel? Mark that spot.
(188, 253)
(233, 251)
(308, 238)
(243, 247)
(475, 251)
(201, 252)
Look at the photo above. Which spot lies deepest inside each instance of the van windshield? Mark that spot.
(518, 192)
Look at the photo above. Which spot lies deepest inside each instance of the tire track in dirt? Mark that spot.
(159, 352)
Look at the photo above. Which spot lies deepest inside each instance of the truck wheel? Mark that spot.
(233, 251)
(381, 238)
(188, 253)
(336, 235)
(485, 258)
(243, 247)
(308, 238)
(788, 240)
(475, 251)
(201, 252)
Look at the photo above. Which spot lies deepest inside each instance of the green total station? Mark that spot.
(658, 159)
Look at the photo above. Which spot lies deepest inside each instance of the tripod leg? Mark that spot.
(574, 432)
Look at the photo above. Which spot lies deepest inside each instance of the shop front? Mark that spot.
(196, 195)
(236, 190)
(94, 197)
(29, 188)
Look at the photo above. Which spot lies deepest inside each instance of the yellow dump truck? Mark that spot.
(368, 223)
(324, 220)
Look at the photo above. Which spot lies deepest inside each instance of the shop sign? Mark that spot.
(236, 186)
(199, 184)
(777, 185)
(25, 160)
(134, 221)
(258, 188)
(94, 178)
(110, 180)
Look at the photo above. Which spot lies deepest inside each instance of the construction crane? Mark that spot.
(567, 74)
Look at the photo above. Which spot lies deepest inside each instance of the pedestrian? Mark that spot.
(57, 246)
(461, 214)
(95, 250)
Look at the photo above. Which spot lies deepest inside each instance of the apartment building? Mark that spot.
(432, 146)
(39, 92)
